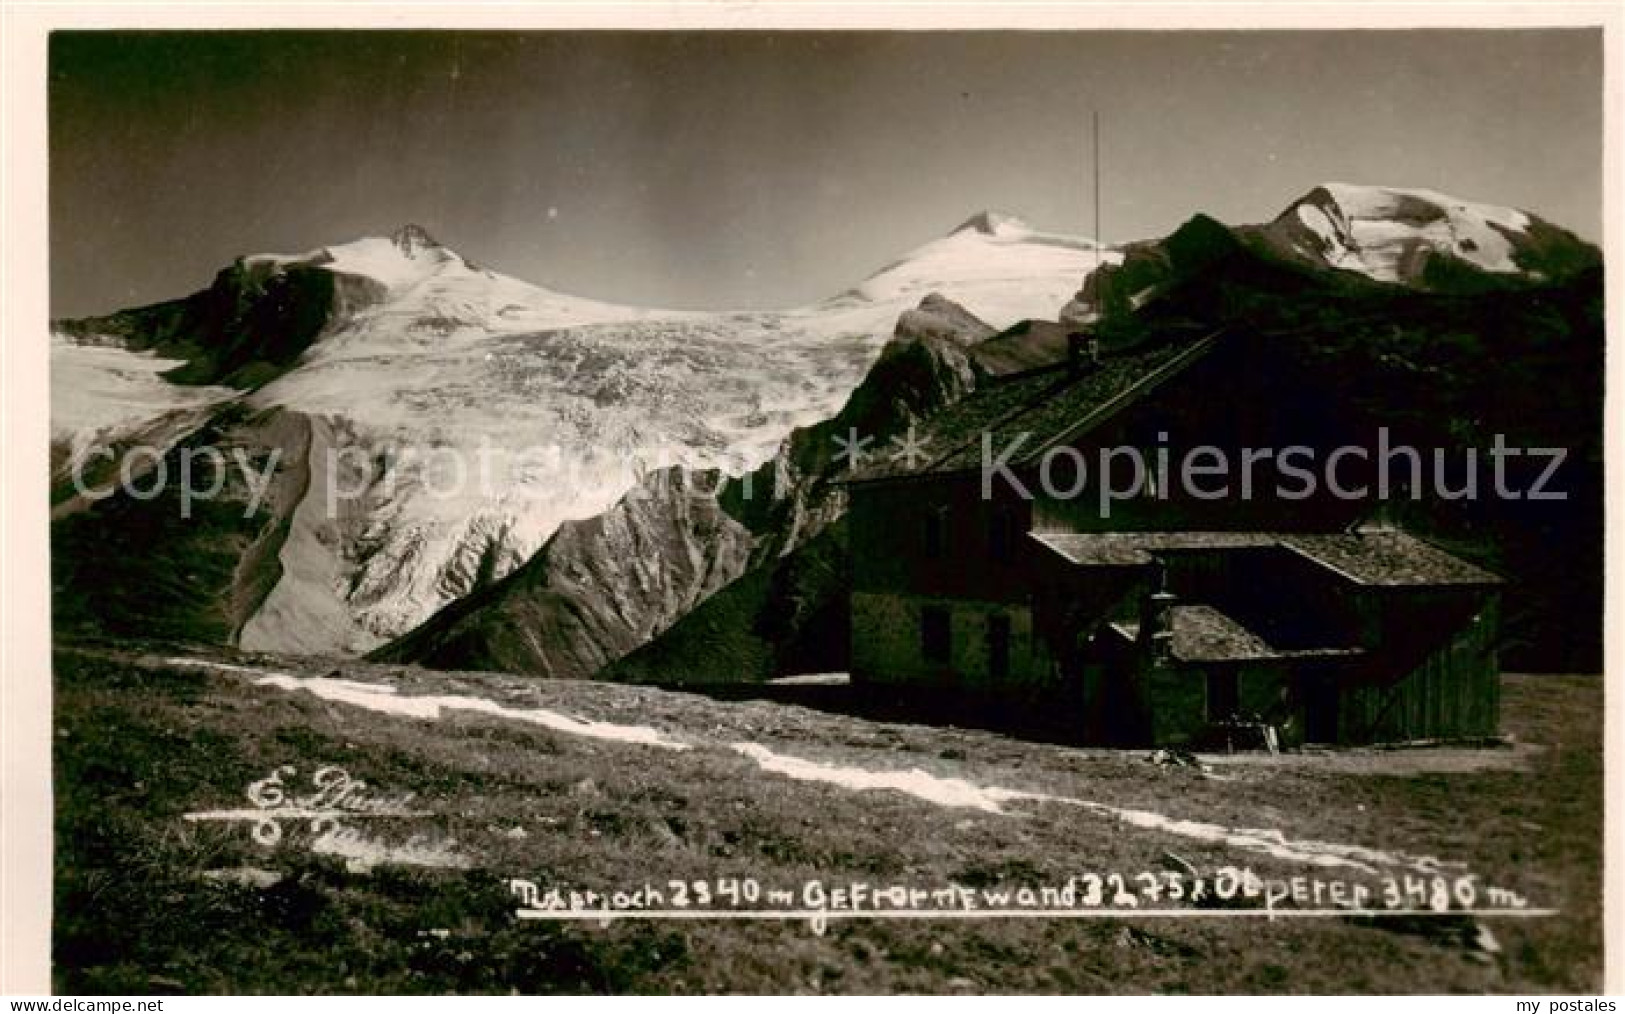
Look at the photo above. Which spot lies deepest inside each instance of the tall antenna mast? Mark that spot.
(1095, 148)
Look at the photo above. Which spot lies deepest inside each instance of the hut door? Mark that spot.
(1320, 710)
(1223, 694)
(998, 646)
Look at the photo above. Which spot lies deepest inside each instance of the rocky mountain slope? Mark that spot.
(1406, 236)
(601, 588)
(457, 417)
(162, 565)
(597, 588)
(1421, 240)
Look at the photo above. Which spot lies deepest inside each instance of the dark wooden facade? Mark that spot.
(959, 588)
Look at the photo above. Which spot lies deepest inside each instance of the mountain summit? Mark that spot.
(407, 256)
(1412, 236)
(993, 223)
(411, 238)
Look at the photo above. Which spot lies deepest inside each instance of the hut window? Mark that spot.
(1001, 533)
(935, 634)
(998, 646)
(936, 532)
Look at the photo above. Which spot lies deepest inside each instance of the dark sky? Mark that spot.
(752, 169)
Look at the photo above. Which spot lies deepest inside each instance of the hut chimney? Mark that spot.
(1082, 352)
(1157, 618)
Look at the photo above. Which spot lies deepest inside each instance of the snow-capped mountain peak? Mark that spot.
(411, 238)
(992, 264)
(994, 223)
(1413, 237)
(1390, 233)
(405, 257)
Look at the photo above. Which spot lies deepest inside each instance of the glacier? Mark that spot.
(458, 415)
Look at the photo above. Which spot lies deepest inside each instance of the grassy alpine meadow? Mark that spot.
(403, 805)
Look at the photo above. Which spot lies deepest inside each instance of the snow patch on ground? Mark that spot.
(954, 792)
(388, 700)
(430, 709)
(958, 793)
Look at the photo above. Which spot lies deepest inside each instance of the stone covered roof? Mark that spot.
(1388, 558)
(1370, 557)
(1051, 405)
(1204, 634)
(1132, 549)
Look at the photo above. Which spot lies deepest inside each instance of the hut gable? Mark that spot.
(1050, 405)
